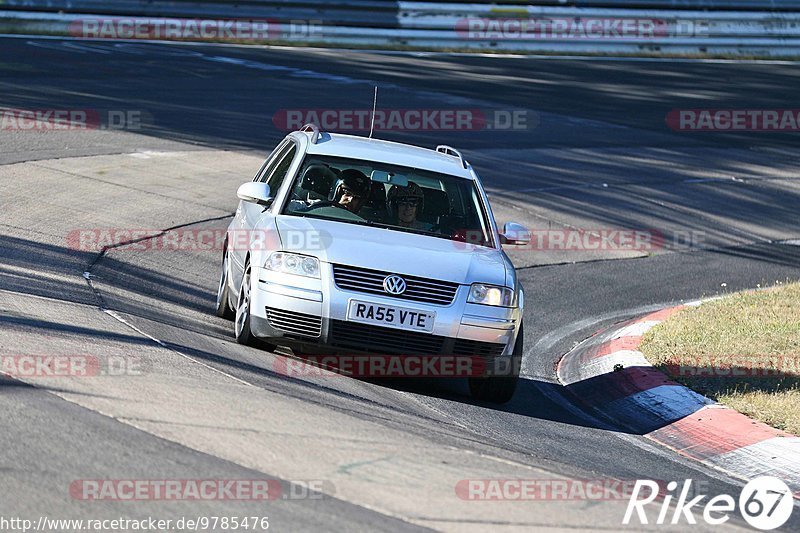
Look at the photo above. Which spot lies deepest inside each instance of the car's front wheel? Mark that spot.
(500, 389)
(242, 321)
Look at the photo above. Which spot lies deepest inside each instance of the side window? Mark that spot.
(270, 162)
(281, 169)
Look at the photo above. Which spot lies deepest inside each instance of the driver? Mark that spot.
(405, 204)
(351, 190)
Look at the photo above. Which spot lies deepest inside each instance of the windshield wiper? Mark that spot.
(302, 214)
(375, 224)
(419, 232)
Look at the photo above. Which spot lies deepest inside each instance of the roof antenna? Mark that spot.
(374, 104)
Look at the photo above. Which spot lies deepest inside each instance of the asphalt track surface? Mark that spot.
(598, 154)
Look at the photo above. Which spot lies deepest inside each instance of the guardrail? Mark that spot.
(727, 5)
(359, 12)
(450, 25)
(603, 30)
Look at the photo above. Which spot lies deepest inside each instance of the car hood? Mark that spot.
(392, 251)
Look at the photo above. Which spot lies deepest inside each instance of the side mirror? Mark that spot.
(255, 192)
(515, 234)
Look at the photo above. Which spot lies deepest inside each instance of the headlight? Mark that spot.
(480, 293)
(301, 265)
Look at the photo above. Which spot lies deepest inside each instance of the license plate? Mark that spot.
(390, 316)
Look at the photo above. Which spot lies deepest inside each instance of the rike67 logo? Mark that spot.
(766, 503)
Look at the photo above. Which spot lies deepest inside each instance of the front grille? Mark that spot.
(477, 348)
(380, 340)
(295, 324)
(417, 289)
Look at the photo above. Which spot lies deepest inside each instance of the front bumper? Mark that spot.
(314, 312)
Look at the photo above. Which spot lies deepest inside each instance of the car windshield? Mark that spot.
(395, 197)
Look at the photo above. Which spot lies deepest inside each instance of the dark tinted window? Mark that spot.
(276, 175)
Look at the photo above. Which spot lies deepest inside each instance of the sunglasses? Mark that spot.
(413, 202)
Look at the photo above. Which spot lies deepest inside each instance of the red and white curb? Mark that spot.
(612, 378)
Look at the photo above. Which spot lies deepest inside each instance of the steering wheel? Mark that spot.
(347, 215)
(326, 203)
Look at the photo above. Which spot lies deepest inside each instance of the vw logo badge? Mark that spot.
(394, 285)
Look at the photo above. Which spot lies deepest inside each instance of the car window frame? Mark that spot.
(270, 160)
(279, 159)
(492, 242)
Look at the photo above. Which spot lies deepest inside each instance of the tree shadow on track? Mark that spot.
(54, 271)
(167, 298)
(120, 280)
(782, 255)
(227, 96)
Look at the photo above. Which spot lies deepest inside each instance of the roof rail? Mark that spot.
(314, 129)
(449, 150)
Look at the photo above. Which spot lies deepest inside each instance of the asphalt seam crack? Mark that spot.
(116, 316)
(120, 185)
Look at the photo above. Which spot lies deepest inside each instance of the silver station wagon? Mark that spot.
(351, 245)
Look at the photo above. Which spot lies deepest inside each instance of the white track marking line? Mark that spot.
(605, 364)
(635, 330)
(116, 316)
(91, 49)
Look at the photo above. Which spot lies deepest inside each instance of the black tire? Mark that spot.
(241, 324)
(499, 389)
(223, 308)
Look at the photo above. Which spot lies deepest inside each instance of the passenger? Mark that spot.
(405, 204)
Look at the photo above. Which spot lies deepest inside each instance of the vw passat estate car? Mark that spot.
(353, 245)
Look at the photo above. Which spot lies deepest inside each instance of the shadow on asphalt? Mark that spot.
(783, 255)
(137, 285)
(533, 398)
(181, 91)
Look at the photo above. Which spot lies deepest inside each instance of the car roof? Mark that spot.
(355, 147)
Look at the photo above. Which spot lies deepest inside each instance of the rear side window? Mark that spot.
(269, 163)
(275, 177)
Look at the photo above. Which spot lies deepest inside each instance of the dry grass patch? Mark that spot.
(742, 351)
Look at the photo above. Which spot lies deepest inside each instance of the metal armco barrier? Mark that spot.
(757, 5)
(507, 26)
